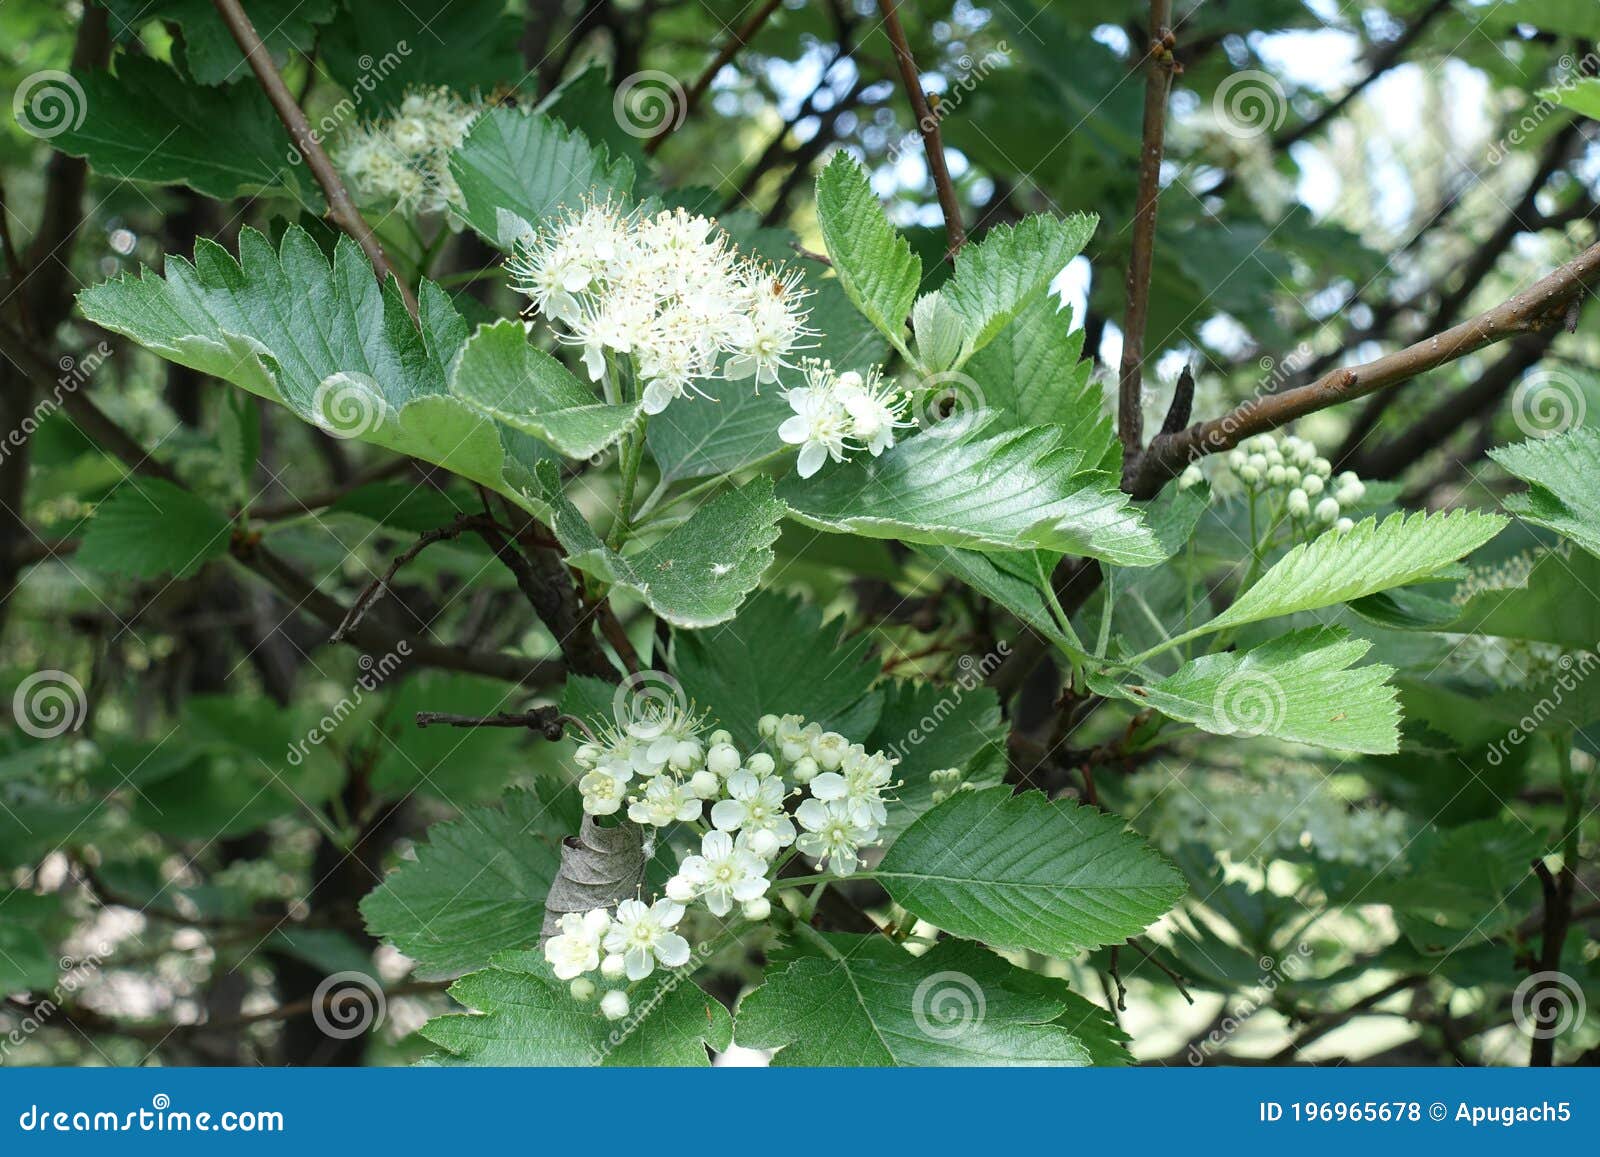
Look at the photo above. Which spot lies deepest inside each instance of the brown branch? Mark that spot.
(374, 591)
(928, 126)
(341, 209)
(1160, 67)
(547, 721)
(730, 48)
(1541, 305)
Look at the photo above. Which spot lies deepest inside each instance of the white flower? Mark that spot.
(576, 949)
(1191, 476)
(1328, 510)
(1343, 526)
(723, 759)
(665, 801)
(614, 1004)
(819, 427)
(831, 836)
(602, 793)
(755, 805)
(405, 158)
(642, 934)
(1299, 503)
(723, 873)
(835, 413)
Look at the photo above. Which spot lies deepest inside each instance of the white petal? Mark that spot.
(672, 950)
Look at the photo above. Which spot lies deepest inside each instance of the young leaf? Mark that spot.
(149, 527)
(778, 657)
(865, 1000)
(1374, 556)
(698, 573)
(499, 374)
(873, 262)
(1010, 268)
(517, 168)
(1299, 687)
(1025, 872)
(527, 1017)
(1563, 477)
(1024, 490)
(476, 888)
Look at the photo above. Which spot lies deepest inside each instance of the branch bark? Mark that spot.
(928, 126)
(341, 209)
(1159, 67)
(1540, 306)
(730, 48)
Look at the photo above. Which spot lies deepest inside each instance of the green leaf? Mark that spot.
(1025, 872)
(1299, 687)
(149, 124)
(209, 50)
(1034, 374)
(1012, 580)
(698, 573)
(1563, 477)
(867, 1001)
(1581, 95)
(929, 727)
(873, 262)
(149, 527)
(26, 962)
(1374, 556)
(1024, 490)
(502, 376)
(476, 888)
(377, 49)
(1010, 269)
(517, 168)
(323, 340)
(822, 675)
(527, 1017)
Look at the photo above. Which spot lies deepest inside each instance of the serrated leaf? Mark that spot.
(1563, 477)
(1299, 687)
(1010, 269)
(874, 263)
(1026, 872)
(149, 527)
(1034, 374)
(149, 124)
(824, 676)
(599, 868)
(476, 888)
(1373, 556)
(502, 376)
(517, 168)
(698, 573)
(867, 1001)
(323, 340)
(526, 1017)
(1023, 490)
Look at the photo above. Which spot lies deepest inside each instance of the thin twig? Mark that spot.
(1542, 304)
(1172, 975)
(341, 208)
(547, 721)
(928, 126)
(374, 591)
(730, 48)
(1160, 66)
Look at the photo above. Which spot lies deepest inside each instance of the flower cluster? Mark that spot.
(405, 158)
(668, 770)
(667, 290)
(1289, 469)
(838, 413)
(1291, 809)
